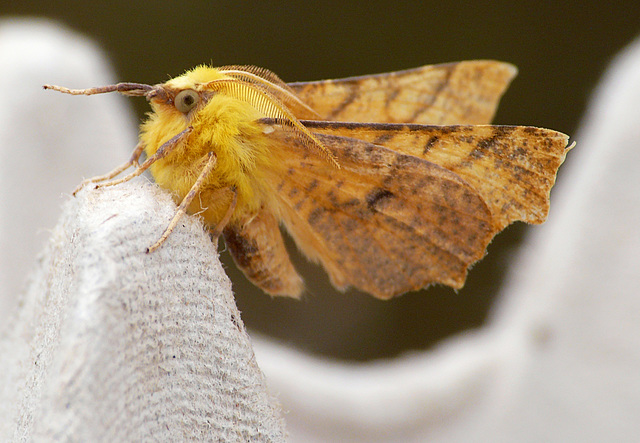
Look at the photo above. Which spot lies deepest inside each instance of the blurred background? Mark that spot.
(560, 48)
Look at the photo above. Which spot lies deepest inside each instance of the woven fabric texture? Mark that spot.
(113, 344)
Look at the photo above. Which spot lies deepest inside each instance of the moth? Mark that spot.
(392, 182)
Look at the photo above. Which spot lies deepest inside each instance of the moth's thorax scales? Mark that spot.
(221, 124)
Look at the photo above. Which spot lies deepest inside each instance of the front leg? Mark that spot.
(164, 150)
(133, 161)
(186, 201)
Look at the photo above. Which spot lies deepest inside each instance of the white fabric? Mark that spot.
(89, 356)
(114, 344)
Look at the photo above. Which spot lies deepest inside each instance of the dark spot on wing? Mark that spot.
(315, 216)
(432, 140)
(376, 197)
(383, 138)
(312, 185)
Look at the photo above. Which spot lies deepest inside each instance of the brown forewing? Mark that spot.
(511, 167)
(258, 249)
(385, 222)
(454, 93)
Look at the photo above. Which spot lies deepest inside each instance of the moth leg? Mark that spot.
(186, 201)
(133, 161)
(217, 231)
(162, 152)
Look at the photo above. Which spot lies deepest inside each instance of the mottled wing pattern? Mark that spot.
(385, 222)
(258, 249)
(454, 93)
(511, 167)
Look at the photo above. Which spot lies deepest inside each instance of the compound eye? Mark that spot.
(186, 100)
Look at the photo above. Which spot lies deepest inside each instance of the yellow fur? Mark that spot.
(223, 125)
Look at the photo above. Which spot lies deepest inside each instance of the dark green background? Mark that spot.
(560, 48)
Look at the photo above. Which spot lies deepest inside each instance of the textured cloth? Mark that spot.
(113, 344)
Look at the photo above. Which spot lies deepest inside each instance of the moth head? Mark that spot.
(260, 88)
